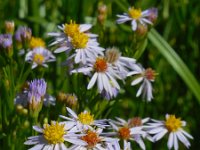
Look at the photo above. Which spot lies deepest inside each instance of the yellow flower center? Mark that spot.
(54, 133)
(79, 40)
(71, 29)
(91, 138)
(38, 58)
(150, 74)
(172, 123)
(36, 42)
(86, 118)
(100, 65)
(135, 13)
(124, 133)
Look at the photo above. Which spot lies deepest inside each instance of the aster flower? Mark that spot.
(6, 41)
(74, 37)
(146, 76)
(135, 16)
(104, 75)
(94, 141)
(53, 136)
(173, 126)
(131, 130)
(153, 14)
(83, 121)
(35, 95)
(39, 56)
(121, 64)
(23, 34)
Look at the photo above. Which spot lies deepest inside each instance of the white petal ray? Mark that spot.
(170, 141)
(92, 81)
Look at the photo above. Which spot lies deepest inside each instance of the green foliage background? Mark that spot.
(178, 23)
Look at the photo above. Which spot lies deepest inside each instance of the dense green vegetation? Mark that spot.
(171, 48)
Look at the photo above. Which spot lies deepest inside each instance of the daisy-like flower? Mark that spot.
(146, 76)
(173, 126)
(104, 75)
(131, 130)
(94, 141)
(53, 136)
(39, 56)
(6, 41)
(135, 16)
(83, 121)
(121, 64)
(74, 37)
(34, 95)
(23, 34)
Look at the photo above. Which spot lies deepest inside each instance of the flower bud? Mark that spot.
(9, 27)
(141, 30)
(153, 15)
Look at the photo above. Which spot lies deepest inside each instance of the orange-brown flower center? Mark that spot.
(134, 122)
(124, 133)
(100, 65)
(150, 74)
(91, 138)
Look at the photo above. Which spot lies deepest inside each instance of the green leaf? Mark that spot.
(176, 62)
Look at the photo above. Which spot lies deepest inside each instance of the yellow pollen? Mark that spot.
(38, 58)
(124, 133)
(54, 133)
(150, 74)
(172, 123)
(85, 118)
(100, 65)
(71, 29)
(135, 13)
(91, 138)
(80, 40)
(36, 42)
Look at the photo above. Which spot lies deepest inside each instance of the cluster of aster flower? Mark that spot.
(36, 52)
(82, 132)
(34, 96)
(85, 56)
(105, 67)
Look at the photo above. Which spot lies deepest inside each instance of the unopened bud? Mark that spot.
(102, 9)
(19, 108)
(26, 124)
(45, 120)
(62, 97)
(134, 122)
(102, 13)
(25, 111)
(101, 19)
(141, 30)
(9, 26)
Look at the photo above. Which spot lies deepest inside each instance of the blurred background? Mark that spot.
(179, 24)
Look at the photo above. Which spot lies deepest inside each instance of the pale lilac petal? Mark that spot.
(134, 25)
(92, 81)
(170, 142)
(72, 113)
(136, 81)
